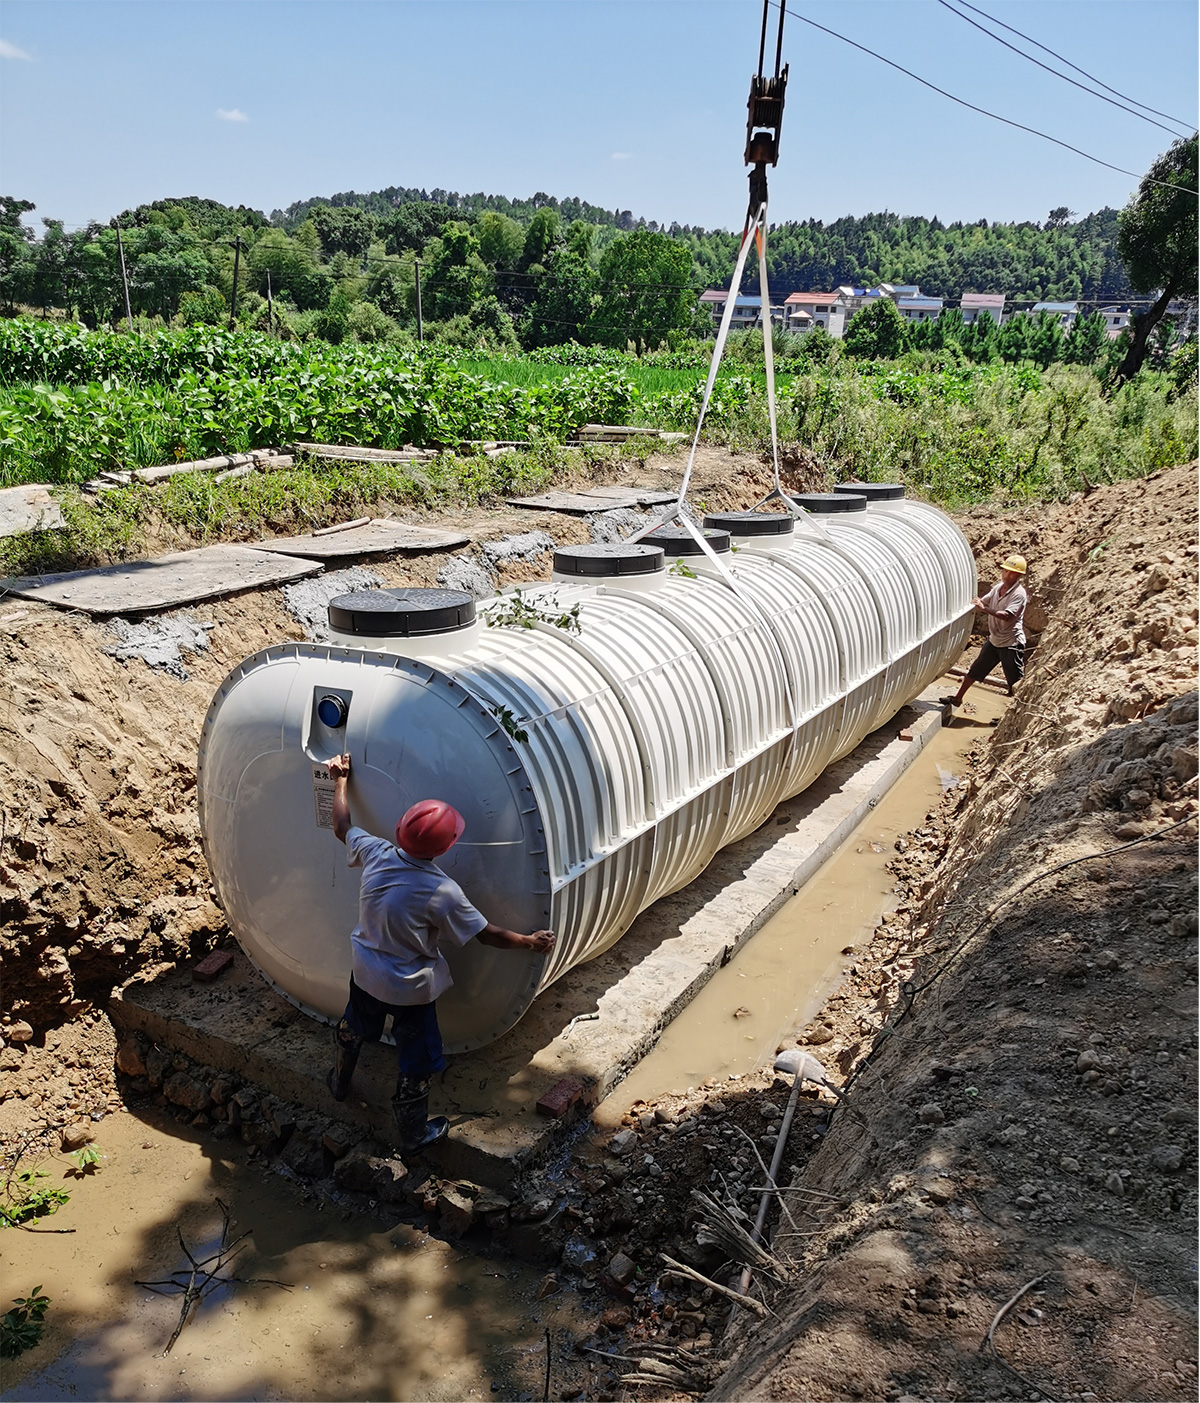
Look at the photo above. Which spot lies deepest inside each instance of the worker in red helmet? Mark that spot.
(409, 912)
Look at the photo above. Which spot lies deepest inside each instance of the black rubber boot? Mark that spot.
(346, 1048)
(410, 1106)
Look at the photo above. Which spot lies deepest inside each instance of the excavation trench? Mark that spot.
(989, 1151)
(780, 979)
(394, 1311)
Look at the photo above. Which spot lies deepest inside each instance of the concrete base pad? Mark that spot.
(241, 1026)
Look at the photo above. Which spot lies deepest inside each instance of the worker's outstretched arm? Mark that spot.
(540, 942)
(339, 771)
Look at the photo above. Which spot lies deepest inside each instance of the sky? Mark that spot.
(629, 104)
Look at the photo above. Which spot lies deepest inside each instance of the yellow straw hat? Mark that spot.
(1015, 563)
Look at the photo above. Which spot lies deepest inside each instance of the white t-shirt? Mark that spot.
(1008, 631)
(407, 910)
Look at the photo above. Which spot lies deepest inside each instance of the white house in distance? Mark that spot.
(915, 308)
(1116, 319)
(974, 304)
(804, 310)
(747, 310)
(1066, 312)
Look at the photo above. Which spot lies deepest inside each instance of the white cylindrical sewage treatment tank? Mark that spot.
(603, 736)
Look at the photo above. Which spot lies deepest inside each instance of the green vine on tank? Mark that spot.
(679, 568)
(517, 612)
(506, 718)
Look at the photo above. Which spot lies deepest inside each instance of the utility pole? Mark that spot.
(237, 254)
(124, 276)
(420, 320)
(270, 306)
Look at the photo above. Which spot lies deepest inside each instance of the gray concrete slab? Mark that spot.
(636, 988)
(28, 508)
(376, 537)
(592, 499)
(163, 582)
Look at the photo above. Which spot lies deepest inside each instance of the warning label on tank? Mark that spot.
(323, 795)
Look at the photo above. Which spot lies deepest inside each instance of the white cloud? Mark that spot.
(8, 50)
(621, 156)
(232, 114)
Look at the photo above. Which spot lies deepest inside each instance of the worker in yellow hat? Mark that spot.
(1004, 604)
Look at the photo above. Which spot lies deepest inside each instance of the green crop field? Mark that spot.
(74, 403)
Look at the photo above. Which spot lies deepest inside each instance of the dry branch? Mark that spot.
(733, 1239)
(748, 1301)
(202, 1278)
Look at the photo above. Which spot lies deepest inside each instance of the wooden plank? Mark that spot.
(266, 458)
(28, 508)
(613, 433)
(195, 465)
(141, 586)
(592, 499)
(353, 454)
(374, 538)
(343, 526)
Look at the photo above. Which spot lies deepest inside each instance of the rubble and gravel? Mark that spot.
(308, 600)
(615, 525)
(159, 643)
(466, 573)
(521, 546)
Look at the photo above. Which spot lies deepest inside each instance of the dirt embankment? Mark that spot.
(1030, 1104)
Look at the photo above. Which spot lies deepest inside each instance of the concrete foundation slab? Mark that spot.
(240, 1025)
(593, 499)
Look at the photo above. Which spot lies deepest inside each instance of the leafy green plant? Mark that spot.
(515, 611)
(84, 1162)
(956, 428)
(504, 715)
(21, 1328)
(22, 1201)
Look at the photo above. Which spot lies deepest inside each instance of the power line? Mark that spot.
(1177, 120)
(983, 111)
(1030, 58)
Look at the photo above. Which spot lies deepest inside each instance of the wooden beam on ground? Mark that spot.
(225, 465)
(352, 453)
(164, 582)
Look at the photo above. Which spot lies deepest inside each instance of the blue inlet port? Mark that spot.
(331, 712)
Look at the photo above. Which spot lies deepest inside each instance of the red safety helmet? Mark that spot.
(429, 829)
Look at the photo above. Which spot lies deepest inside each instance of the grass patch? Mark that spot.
(194, 509)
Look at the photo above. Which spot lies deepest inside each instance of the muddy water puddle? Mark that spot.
(780, 979)
(367, 1312)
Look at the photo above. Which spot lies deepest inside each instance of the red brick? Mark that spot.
(560, 1098)
(212, 966)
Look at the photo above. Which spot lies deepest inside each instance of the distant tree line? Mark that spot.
(499, 273)
(343, 272)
